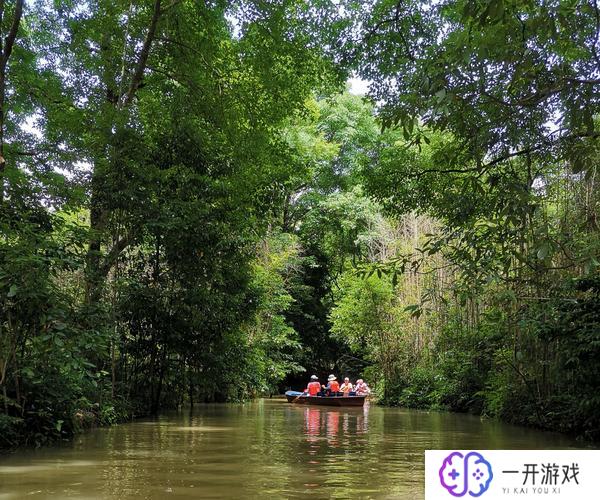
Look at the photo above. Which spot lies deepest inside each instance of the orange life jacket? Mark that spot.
(334, 386)
(313, 388)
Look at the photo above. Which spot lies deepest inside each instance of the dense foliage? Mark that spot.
(191, 211)
(493, 163)
(143, 150)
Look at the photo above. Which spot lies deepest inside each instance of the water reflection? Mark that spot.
(267, 448)
(334, 423)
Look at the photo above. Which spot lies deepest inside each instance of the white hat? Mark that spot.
(314, 377)
(331, 377)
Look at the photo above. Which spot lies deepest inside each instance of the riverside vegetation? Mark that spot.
(193, 209)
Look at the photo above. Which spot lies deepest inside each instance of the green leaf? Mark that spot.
(590, 265)
(543, 251)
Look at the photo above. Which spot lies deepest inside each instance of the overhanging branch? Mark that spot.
(138, 75)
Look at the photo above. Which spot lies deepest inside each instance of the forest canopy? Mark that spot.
(193, 208)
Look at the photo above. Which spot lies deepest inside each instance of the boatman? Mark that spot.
(361, 388)
(313, 387)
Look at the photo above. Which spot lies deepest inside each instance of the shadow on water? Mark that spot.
(266, 448)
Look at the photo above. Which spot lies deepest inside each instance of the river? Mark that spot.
(267, 448)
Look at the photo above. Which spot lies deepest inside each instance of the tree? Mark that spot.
(507, 78)
(6, 49)
(154, 129)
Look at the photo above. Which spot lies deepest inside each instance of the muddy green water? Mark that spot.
(267, 449)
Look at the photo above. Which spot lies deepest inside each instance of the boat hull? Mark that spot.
(343, 401)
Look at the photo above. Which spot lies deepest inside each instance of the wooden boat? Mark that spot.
(299, 398)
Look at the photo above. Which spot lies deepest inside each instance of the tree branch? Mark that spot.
(483, 168)
(114, 254)
(536, 98)
(4, 56)
(12, 34)
(446, 171)
(171, 5)
(138, 75)
(393, 20)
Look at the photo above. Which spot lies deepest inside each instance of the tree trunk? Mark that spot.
(98, 268)
(5, 52)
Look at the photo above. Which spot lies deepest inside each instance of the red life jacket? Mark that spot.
(334, 386)
(313, 388)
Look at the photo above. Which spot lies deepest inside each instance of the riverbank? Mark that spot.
(433, 388)
(42, 427)
(85, 422)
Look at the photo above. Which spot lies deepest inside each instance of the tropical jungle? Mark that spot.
(197, 205)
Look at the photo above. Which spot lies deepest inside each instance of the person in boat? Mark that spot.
(346, 387)
(332, 387)
(313, 387)
(361, 388)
